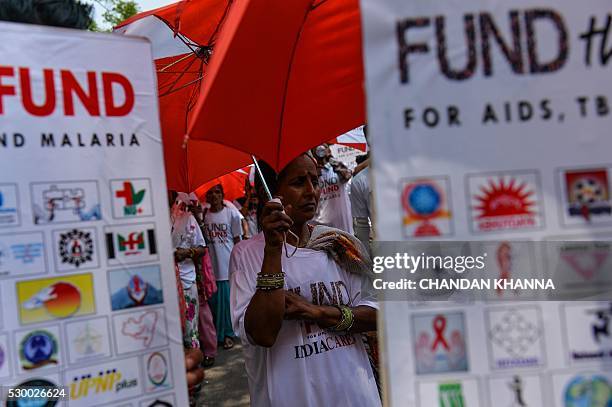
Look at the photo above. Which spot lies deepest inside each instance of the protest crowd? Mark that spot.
(253, 129)
(219, 256)
(234, 259)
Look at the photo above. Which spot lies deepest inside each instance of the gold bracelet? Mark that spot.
(347, 318)
(268, 282)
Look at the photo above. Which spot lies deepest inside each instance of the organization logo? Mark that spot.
(130, 244)
(504, 202)
(38, 401)
(516, 386)
(158, 403)
(516, 337)
(524, 390)
(141, 330)
(9, 214)
(440, 343)
(600, 327)
(504, 256)
(588, 193)
(88, 339)
(451, 395)
(586, 259)
(38, 349)
(158, 371)
(76, 247)
(55, 298)
(22, 254)
(131, 198)
(135, 288)
(71, 201)
(588, 331)
(426, 208)
(27, 253)
(89, 342)
(101, 384)
(588, 390)
(4, 363)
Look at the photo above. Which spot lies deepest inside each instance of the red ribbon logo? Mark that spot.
(439, 325)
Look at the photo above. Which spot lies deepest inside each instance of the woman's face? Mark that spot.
(299, 188)
(214, 196)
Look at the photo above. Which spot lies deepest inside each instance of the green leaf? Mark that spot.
(139, 197)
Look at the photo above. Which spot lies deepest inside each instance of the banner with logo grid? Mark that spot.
(87, 280)
(489, 121)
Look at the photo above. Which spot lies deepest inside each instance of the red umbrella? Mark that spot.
(233, 185)
(354, 138)
(183, 36)
(286, 76)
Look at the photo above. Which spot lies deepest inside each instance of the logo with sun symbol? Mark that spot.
(504, 202)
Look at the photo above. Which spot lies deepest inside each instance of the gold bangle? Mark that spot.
(268, 282)
(347, 318)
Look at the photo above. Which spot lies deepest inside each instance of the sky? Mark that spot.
(143, 4)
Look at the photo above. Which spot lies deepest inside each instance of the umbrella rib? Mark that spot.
(178, 78)
(286, 89)
(170, 91)
(171, 82)
(170, 65)
(221, 21)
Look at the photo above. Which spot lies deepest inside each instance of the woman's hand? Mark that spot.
(297, 307)
(195, 374)
(181, 254)
(275, 223)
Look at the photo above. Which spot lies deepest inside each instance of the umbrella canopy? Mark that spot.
(286, 76)
(183, 37)
(233, 185)
(354, 138)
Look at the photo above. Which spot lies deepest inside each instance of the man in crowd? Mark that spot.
(361, 198)
(334, 205)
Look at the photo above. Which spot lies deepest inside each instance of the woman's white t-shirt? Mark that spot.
(307, 366)
(334, 204)
(220, 229)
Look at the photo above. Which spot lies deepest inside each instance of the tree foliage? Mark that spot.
(115, 12)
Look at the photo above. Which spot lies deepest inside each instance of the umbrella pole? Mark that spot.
(269, 195)
(261, 177)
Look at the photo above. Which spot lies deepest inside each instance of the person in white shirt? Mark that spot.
(299, 317)
(222, 229)
(334, 206)
(189, 247)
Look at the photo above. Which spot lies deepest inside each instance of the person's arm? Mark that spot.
(236, 220)
(245, 229)
(343, 172)
(361, 166)
(266, 310)
(192, 253)
(327, 316)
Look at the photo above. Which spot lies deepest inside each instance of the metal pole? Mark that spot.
(261, 177)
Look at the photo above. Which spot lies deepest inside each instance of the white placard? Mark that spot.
(489, 121)
(83, 199)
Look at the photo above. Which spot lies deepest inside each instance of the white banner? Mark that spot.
(489, 121)
(88, 290)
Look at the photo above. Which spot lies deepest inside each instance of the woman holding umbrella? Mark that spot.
(299, 312)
